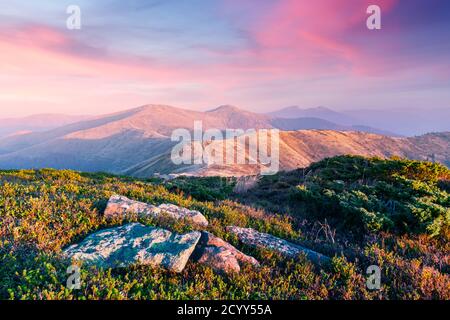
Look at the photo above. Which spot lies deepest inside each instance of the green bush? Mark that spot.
(375, 195)
(203, 188)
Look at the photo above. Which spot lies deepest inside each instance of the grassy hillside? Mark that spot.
(392, 213)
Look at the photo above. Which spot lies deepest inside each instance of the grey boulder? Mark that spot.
(254, 238)
(135, 243)
(120, 206)
(220, 255)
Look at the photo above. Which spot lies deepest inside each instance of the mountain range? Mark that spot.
(137, 142)
(391, 121)
(317, 112)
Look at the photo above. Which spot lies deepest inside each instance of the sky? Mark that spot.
(260, 55)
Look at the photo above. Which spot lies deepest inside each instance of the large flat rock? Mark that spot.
(263, 240)
(220, 255)
(135, 243)
(120, 205)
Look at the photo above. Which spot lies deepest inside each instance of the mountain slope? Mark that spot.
(301, 148)
(150, 120)
(159, 121)
(16, 143)
(117, 141)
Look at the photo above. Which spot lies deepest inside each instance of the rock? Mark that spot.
(135, 243)
(263, 240)
(220, 255)
(120, 205)
(182, 213)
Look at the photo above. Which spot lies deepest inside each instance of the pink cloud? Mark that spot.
(44, 52)
(313, 36)
(289, 42)
(44, 67)
(41, 50)
(293, 37)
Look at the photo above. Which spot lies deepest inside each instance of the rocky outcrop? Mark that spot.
(220, 255)
(135, 243)
(120, 205)
(263, 240)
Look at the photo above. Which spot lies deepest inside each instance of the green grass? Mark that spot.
(43, 211)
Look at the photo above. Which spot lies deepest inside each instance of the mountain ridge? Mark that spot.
(315, 112)
(138, 142)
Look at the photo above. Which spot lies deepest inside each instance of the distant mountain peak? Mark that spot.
(298, 109)
(149, 107)
(321, 112)
(322, 108)
(290, 108)
(226, 108)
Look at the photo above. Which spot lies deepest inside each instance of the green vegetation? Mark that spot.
(203, 188)
(392, 213)
(401, 196)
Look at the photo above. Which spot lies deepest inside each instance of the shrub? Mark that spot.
(378, 195)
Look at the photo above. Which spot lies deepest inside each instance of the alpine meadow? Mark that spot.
(225, 159)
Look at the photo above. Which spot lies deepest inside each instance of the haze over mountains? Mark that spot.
(137, 142)
(318, 112)
(36, 123)
(392, 121)
(405, 121)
